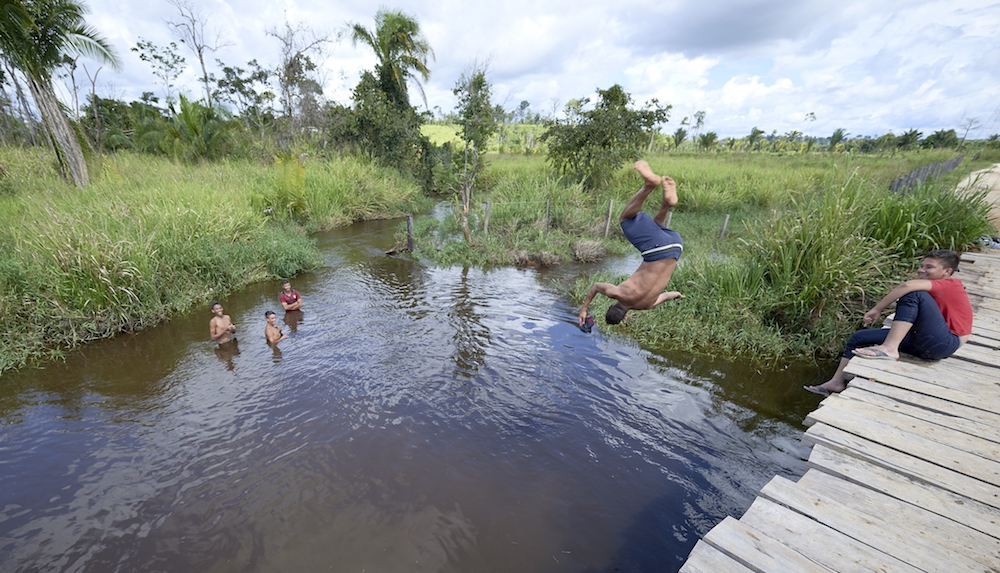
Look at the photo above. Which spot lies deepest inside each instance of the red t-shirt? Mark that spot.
(950, 296)
(294, 297)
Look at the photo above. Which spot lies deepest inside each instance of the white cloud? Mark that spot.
(867, 67)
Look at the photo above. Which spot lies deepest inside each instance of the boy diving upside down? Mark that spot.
(660, 248)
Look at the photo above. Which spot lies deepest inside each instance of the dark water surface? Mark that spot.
(418, 419)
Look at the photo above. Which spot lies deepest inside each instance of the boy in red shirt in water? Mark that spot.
(290, 298)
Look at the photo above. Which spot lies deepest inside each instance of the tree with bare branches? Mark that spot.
(191, 30)
(300, 48)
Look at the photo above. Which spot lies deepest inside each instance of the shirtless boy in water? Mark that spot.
(660, 248)
(221, 327)
(271, 331)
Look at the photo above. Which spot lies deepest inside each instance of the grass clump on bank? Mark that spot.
(151, 237)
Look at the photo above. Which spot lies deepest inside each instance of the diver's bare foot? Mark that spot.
(652, 179)
(669, 191)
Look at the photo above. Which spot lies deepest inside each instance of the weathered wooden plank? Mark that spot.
(887, 536)
(949, 371)
(960, 508)
(989, 357)
(823, 545)
(756, 550)
(984, 336)
(977, 423)
(910, 516)
(851, 415)
(984, 341)
(706, 559)
(980, 418)
(957, 386)
(904, 383)
(981, 290)
(904, 463)
(944, 447)
(975, 371)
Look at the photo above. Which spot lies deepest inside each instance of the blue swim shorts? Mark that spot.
(653, 241)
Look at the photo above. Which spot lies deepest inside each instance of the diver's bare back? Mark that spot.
(641, 290)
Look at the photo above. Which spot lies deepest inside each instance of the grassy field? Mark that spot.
(811, 240)
(150, 237)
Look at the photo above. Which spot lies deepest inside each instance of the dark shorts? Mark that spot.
(928, 338)
(653, 241)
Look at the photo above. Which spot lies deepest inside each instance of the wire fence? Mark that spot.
(922, 174)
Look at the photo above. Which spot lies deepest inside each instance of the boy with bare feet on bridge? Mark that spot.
(933, 320)
(660, 248)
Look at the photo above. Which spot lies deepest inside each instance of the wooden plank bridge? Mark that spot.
(904, 473)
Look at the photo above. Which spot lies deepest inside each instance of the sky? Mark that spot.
(866, 66)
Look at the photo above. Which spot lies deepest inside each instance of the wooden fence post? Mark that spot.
(548, 211)
(607, 222)
(725, 223)
(409, 232)
(486, 220)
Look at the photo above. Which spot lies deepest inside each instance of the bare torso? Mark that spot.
(221, 329)
(641, 290)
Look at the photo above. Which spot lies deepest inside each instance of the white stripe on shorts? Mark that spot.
(663, 248)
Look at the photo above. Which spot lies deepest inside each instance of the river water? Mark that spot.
(417, 419)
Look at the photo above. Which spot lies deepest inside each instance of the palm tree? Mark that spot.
(679, 136)
(34, 37)
(838, 136)
(401, 49)
(708, 140)
(754, 137)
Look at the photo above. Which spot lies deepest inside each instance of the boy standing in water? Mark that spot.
(271, 331)
(221, 327)
(290, 298)
(660, 248)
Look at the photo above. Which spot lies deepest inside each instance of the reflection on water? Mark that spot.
(416, 419)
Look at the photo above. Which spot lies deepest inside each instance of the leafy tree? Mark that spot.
(478, 123)
(754, 137)
(699, 122)
(838, 136)
(378, 127)
(113, 124)
(679, 136)
(707, 141)
(298, 47)
(401, 49)
(166, 62)
(34, 36)
(249, 92)
(908, 140)
(194, 132)
(604, 138)
(940, 139)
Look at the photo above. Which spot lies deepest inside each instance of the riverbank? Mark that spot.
(150, 238)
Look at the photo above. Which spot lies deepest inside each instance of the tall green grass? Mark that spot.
(150, 237)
